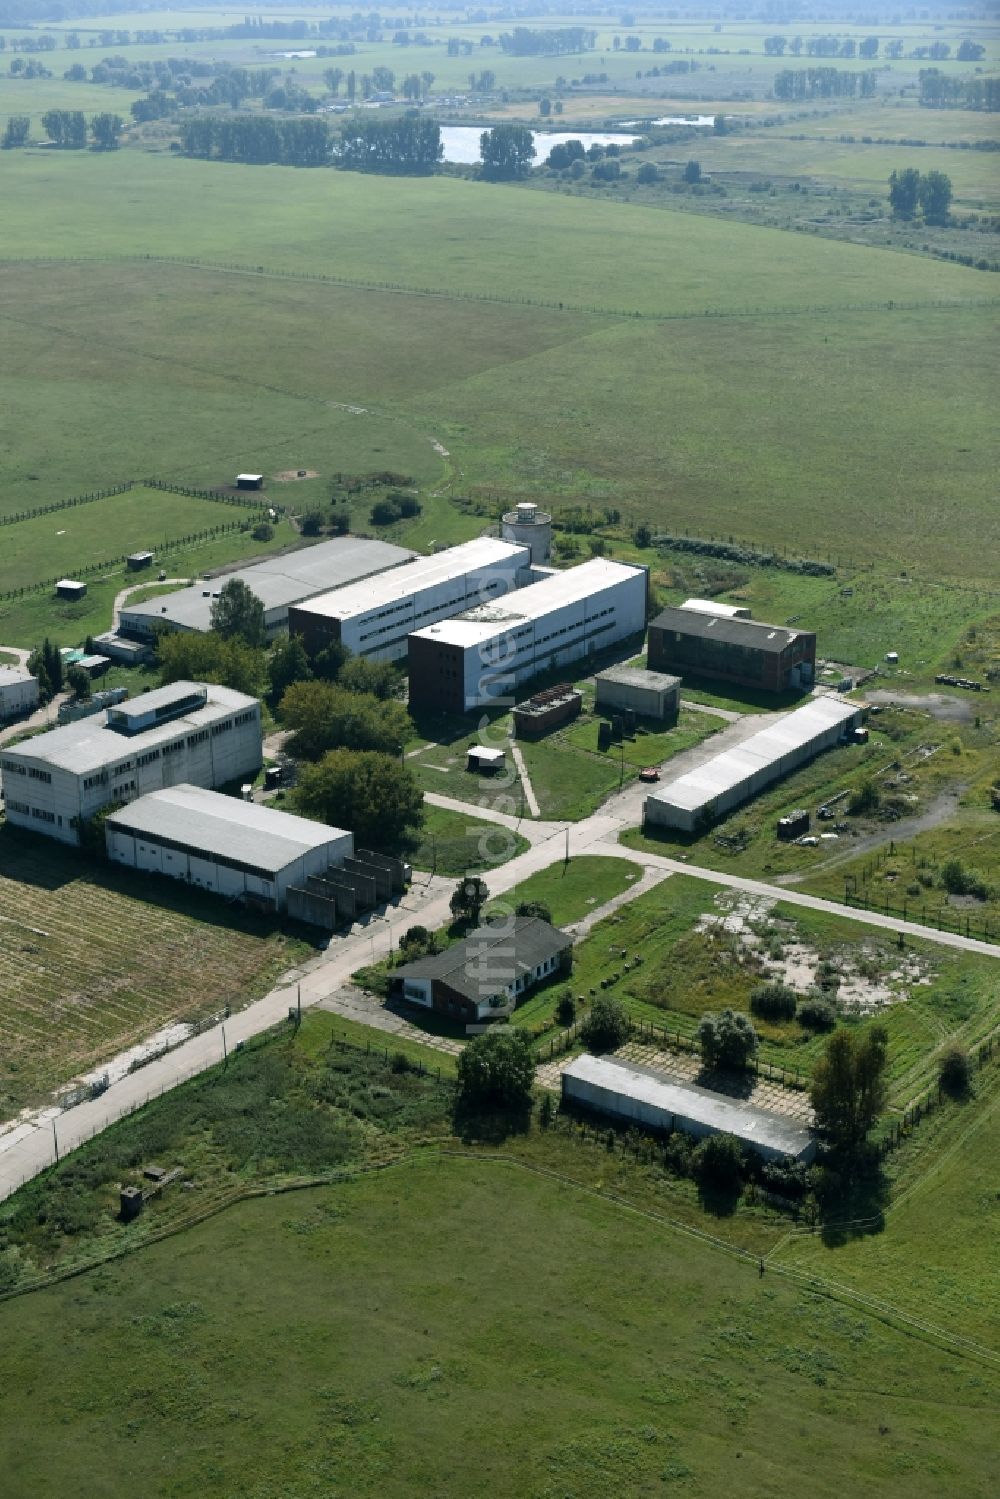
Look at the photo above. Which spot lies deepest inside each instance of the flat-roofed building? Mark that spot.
(375, 618)
(237, 849)
(721, 648)
(638, 1095)
(734, 775)
(18, 692)
(278, 582)
(187, 732)
(480, 657)
(650, 694)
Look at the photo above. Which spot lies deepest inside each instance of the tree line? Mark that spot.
(930, 190)
(939, 91)
(257, 140)
(68, 129)
(524, 42)
(823, 83)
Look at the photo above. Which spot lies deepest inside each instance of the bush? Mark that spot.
(727, 1039)
(547, 1110)
(817, 1013)
(955, 1071)
(958, 880)
(607, 1026)
(774, 1000)
(496, 1070)
(865, 800)
(534, 908)
(312, 523)
(718, 1161)
(566, 1009)
(263, 532)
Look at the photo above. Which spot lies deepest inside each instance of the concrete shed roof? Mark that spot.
(733, 767)
(635, 676)
(222, 826)
(755, 1127)
(11, 675)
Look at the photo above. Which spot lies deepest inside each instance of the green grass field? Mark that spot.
(75, 988)
(383, 1357)
(571, 891)
(451, 843)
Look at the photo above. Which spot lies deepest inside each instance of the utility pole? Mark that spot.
(298, 1001)
(225, 1054)
(567, 845)
(55, 1141)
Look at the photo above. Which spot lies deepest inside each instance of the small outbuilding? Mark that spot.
(485, 761)
(136, 561)
(647, 694)
(70, 588)
(249, 481)
(641, 1096)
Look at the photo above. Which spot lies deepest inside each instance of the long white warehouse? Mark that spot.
(234, 848)
(627, 1091)
(482, 656)
(277, 581)
(187, 732)
(729, 778)
(374, 618)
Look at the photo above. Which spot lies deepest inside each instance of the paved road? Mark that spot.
(124, 594)
(41, 718)
(320, 981)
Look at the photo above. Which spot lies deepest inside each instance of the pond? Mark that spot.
(461, 142)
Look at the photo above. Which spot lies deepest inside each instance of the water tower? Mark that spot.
(528, 526)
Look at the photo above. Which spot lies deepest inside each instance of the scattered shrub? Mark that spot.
(727, 1039)
(817, 1012)
(607, 1026)
(718, 1161)
(774, 1000)
(955, 1071)
(566, 1009)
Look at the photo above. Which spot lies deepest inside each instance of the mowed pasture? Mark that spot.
(460, 237)
(62, 541)
(93, 960)
(392, 1362)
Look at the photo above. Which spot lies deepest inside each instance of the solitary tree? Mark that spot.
(726, 1039)
(903, 189)
(238, 614)
(507, 152)
(468, 899)
(849, 1091)
(496, 1070)
(934, 193)
(78, 682)
(16, 132)
(692, 172)
(372, 795)
(607, 1026)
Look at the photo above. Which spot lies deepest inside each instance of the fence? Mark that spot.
(929, 1100)
(661, 1035)
(962, 925)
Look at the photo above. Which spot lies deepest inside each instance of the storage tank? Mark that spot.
(528, 526)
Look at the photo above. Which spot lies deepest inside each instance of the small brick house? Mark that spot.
(485, 976)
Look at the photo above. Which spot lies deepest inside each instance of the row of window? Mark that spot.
(34, 774)
(248, 716)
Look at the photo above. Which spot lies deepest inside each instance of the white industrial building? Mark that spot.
(375, 617)
(18, 692)
(480, 657)
(712, 606)
(650, 694)
(277, 581)
(236, 849)
(641, 1096)
(187, 732)
(729, 778)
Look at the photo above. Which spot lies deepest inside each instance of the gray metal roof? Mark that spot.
(750, 633)
(491, 957)
(223, 826)
(634, 676)
(89, 744)
(755, 1127)
(731, 768)
(277, 581)
(9, 675)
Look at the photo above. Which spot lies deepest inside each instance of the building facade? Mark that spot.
(484, 977)
(650, 694)
(233, 848)
(723, 648)
(481, 657)
(188, 732)
(18, 692)
(375, 618)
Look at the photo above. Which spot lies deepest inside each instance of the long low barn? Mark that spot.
(237, 849)
(277, 581)
(627, 1091)
(729, 778)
